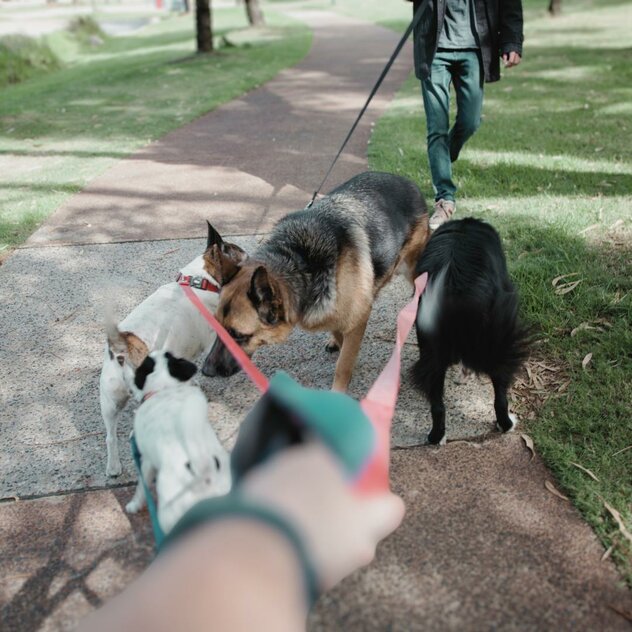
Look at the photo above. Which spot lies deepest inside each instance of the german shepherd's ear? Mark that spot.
(180, 368)
(265, 297)
(222, 260)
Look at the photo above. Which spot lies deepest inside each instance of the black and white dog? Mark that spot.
(468, 314)
(175, 439)
(164, 320)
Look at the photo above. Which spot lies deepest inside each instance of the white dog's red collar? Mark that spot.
(198, 282)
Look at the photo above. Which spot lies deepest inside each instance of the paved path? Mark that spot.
(484, 545)
(250, 161)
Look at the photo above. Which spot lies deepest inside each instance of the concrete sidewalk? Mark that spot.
(484, 545)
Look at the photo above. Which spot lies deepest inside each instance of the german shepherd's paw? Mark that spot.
(332, 345)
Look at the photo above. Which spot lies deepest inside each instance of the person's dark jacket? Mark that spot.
(498, 25)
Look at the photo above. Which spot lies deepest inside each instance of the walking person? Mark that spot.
(460, 42)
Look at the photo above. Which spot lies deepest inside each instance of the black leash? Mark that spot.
(376, 87)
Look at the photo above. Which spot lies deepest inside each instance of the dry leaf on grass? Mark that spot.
(585, 469)
(626, 614)
(619, 520)
(557, 279)
(608, 553)
(588, 229)
(529, 443)
(554, 491)
(586, 360)
(539, 380)
(565, 288)
(586, 327)
(624, 450)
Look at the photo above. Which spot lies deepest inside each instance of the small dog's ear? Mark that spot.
(180, 368)
(147, 366)
(219, 266)
(222, 260)
(265, 297)
(213, 236)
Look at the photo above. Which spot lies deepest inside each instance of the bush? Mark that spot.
(84, 28)
(22, 57)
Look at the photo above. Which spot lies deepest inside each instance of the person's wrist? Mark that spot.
(511, 47)
(255, 556)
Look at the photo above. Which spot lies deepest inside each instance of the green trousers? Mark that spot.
(463, 68)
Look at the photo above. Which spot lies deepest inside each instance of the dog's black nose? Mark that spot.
(209, 370)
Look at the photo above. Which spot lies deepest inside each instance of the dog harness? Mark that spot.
(198, 282)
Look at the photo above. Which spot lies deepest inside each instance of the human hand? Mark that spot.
(340, 528)
(511, 59)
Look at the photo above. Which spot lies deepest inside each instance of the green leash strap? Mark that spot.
(235, 505)
(159, 534)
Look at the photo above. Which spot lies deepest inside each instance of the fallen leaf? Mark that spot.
(617, 518)
(626, 614)
(557, 279)
(565, 288)
(529, 443)
(617, 224)
(564, 386)
(586, 360)
(580, 328)
(588, 229)
(585, 469)
(608, 553)
(554, 491)
(624, 450)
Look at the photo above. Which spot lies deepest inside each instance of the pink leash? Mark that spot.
(258, 378)
(379, 403)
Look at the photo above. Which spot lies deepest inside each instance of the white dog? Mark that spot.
(175, 439)
(164, 320)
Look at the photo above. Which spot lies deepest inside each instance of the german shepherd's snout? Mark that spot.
(220, 361)
(320, 269)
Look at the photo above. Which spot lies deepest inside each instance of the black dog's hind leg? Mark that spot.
(430, 377)
(505, 421)
(437, 408)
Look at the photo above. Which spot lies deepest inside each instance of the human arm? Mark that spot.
(238, 573)
(511, 31)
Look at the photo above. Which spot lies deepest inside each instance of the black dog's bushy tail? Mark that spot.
(509, 338)
(487, 336)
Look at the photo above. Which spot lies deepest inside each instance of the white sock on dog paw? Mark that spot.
(514, 423)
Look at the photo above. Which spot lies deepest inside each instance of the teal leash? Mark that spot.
(159, 535)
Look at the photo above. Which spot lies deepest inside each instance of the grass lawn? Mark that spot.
(60, 130)
(551, 169)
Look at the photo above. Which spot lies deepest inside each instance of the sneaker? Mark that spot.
(443, 211)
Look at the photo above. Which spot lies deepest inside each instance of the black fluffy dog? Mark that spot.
(468, 314)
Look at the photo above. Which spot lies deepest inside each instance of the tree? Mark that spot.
(203, 26)
(555, 7)
(254, 13)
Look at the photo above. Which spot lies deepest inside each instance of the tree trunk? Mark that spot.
(555, 7)
(254, 13)
(203, 26)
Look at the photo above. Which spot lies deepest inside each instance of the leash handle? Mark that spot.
(259, 379)
(416, 18)
(379, 403)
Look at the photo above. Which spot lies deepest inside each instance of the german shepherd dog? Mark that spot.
(321, 268)
(468, 314)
